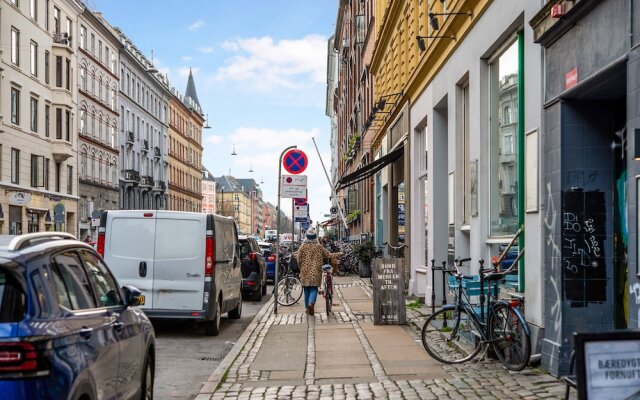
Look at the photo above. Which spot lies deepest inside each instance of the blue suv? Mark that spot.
(67, 330)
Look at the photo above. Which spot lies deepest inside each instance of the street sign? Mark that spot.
(301, 211)
(295, 161)
(300, 202)
(334, 211)
(293, 186)
(304, 220)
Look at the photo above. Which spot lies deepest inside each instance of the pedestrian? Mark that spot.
(311, 257)
(88, 239)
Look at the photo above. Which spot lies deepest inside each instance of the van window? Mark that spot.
(179, 239)
(225, 241)
(12, 299)
(131, 237)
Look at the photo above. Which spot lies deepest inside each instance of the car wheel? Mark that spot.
(236, 313)
(212, 328)
(147, 379)
(257, 294)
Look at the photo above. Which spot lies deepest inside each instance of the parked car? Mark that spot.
(68, 330)
(186, 264)
(254, 269)
(270, 259)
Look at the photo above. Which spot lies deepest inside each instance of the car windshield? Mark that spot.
(245, 249)
(12, 298)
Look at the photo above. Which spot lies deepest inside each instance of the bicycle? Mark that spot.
(327, 286)
(289, 286)
(457, 332)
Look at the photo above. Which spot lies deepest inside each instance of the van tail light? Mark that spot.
(20, 357)
(252, 256)
(101, 240)
(271, 258)
(209, 257)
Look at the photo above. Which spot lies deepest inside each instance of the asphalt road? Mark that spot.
(185, 357)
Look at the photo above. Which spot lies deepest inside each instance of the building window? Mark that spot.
(15, 46)
(34, 114)
(33, 222)
(83, 121)
(33, 9)
(69, 179)
(58, 166)
(15, 3)
(37, 169)
(15, 106)
(56, 20)
(59, 123)
(100, 50)
(58, 71)
(83, 78)
(46, 67)
(34, 58)
(93, 44)
(69, 31)
(46, 173)
(67, 122)
(46, 14)
(47, 119)
(15, 166)
(83, 37)
(83, 165)
(504, 70)
(68, 74)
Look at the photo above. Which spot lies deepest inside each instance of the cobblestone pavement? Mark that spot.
(303, 373)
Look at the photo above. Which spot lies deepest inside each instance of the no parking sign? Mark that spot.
(295, 161)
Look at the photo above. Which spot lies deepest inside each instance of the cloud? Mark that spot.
(265, 64)
(196, 25)
(206, 50)
(214, 139)
(186, 58)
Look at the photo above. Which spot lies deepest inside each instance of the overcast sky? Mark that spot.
(260, 73)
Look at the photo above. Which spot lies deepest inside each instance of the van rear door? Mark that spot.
(129, 249)
(179, 261)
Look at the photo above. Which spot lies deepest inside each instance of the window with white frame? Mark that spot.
(83, 37)
(34, 115)
(15, 166)
(33, 9)
(15, 106)
(504, 74)
(33, 50)
(15, 46)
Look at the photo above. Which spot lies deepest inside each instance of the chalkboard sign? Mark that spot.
(388, 292)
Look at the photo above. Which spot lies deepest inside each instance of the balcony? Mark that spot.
(62, 38)
(129, 138)
(131, 175)
(146, 181)
(145, 146)
(160, 186)
(156, 153)
(62, 150)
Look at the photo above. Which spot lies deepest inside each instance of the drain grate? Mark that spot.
(211, 358)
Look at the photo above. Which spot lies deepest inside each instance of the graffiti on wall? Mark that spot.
(583, 258)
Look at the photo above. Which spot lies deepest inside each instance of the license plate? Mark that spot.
(141, 299)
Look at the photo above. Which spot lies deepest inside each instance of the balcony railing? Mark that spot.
(131, 175)
(146, 181)
(145, 145)
(160, 185)
(156, 152)
(62, 38)
(130, 138)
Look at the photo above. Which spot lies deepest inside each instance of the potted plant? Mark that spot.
(364, 253)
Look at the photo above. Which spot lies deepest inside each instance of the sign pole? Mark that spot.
(275, 278)
(333, 191)
(293, 224)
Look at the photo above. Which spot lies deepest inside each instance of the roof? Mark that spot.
(191, 90)
(207, 175)
(227, 183)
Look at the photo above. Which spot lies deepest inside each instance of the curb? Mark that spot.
(210, 386)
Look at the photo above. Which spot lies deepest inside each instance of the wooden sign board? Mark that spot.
(388, 292)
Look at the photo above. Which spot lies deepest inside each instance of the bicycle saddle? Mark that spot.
(494, 276)
(327, 268)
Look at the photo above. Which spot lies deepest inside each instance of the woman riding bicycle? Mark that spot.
(311, 256)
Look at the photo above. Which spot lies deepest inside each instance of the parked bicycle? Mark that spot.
(459, 331)
(289, 287)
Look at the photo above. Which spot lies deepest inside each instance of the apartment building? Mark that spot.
(208, 192)
(143, 137)
(38, 143)
(185, 149)
(98, 120)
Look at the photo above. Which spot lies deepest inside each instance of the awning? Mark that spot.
(370, 169)
(34, 210)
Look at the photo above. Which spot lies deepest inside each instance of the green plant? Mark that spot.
(413, 305)
(364, 251)
(353, 216)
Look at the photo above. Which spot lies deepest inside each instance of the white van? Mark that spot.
(186, 264)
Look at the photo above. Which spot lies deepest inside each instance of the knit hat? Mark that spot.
(311, 233)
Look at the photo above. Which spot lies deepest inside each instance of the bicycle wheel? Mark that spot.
(450, 336)
(509, 337)
(289, 290)
(327, 298)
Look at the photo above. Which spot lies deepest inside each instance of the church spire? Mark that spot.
(191, 90)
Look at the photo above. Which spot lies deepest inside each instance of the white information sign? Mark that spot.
(293, 186)
(612, 369)
(301, 211)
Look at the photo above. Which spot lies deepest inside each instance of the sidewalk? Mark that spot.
(344, 356)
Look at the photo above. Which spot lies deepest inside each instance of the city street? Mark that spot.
(186, 357)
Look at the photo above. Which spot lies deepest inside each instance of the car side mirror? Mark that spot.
(133, 296)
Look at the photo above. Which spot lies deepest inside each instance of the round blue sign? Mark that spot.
(295, 161)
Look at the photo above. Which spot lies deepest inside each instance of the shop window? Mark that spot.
(33, 222)
(504, 70)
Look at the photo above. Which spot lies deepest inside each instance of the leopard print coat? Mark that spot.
(311, 257)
